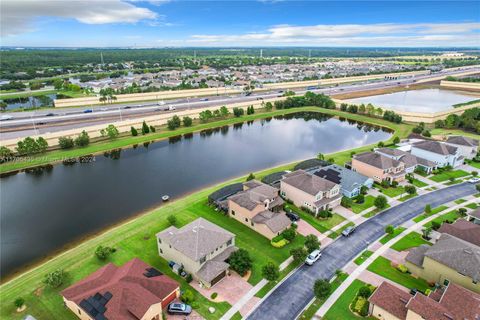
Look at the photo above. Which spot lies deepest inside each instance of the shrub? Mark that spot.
(298, 254)
(30, 146)
(213, 295)
(410, 189)
(65, 142)
(152, 129)
(238, 112)
(364, 291)
(322, 288)
(428, 209)
(145, 128)
(436, 225)
(380, 202)
(389, 229)
(289, 234)
(396, 140)
(346, 202)
(83, 139)
(360, 198)
(187, 121)
(189, 278)
(133, 131)
(402, 268)
(270, 271)
(102, 253)
(251, 176)
(5, 154)
(240, 261)
(312, 243)
(188, 296)
(55, 279)
(172, 220)
(110, 131)
(279, 244)
(19, 302)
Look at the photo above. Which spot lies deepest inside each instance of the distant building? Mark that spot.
(350, 181)
(132, 291)
(378, 167)
(440, 153)
(467, 147)
(451, 302)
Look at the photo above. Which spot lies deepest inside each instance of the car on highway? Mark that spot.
(348, 231)
(103, 109)
(179, 308)
(313, 257)
(204, 99)
(127, 107)
(6, 117)
(474, 180)
(292, 216)
(51, 114)
(88, 111)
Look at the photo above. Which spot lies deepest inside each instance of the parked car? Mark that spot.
(292, 216)
(348, 231)
(88, 111)
(179, 308)
(474, 180)
(6, 117)
(313, 257)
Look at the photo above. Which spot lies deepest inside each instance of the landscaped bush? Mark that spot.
(213, 295)
(279, 244)
(289, 234)
(324, 214)
(308, 210)
(55, 279)
(346, 202)
(189, 278)
(65, 142)
(188, 296)
(240, 261)
(402, 268)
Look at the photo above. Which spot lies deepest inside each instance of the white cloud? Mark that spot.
(18, 16)
(388, 34)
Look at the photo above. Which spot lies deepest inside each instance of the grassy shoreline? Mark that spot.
(127, 141)
(130, 235)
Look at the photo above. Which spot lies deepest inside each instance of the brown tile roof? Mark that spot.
(275, 221)
(307, 182)
(475, 213)
(196, 239)
(435, 147)
(464, 230)
(252, 197)
(377, 160)
(391, 299)
(132, 292)
(463, 141)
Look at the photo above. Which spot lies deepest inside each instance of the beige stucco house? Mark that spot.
(201, 247)
(310, 191)
(378, 167)
(450, 302)
(259, 207)
(450, 259)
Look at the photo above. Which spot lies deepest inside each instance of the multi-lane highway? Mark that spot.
(36, 122)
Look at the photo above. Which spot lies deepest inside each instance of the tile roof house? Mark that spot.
(310, 191)
(410, 161)
(440, 153)
(133, 291)
(350, 181)
(378, 167)
(462, 229)
(467, 147)
(260, 208)
(449, 259)
(446, 303)
(201, 247)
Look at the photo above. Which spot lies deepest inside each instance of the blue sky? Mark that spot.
(160, 23)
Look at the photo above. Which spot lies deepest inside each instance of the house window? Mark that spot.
(246, 219)
(229, 242)
(161, 251)
(203, 259)
(253, 225)
(233, 213)
(79, 312)
(159, 240)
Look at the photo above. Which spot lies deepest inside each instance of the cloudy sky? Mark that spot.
(160, 23)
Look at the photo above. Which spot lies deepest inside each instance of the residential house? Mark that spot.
(450, 259)
(132, 291)
(378, 167)
(350, 182)
(462, 229)
(260, 208)
(410, 161)
(451, 302)
(442, 154)
(310, 191)
(474, 216)
(467, 147)
(201, 247)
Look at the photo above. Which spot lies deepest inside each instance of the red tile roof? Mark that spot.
(391, 299)
(132, 292)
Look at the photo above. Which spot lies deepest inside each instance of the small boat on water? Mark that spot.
(165, 198)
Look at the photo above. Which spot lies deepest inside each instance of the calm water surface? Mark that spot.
(41, 213)
(423, 100)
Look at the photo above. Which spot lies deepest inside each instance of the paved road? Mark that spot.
(290, 298)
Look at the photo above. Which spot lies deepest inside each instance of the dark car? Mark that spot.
(127, 107)
(88, 111)
(179, 308)
(51, 114)
(347, 232)
(292, 216)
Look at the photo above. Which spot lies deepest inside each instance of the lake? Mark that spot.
(422, 100)
(41, 213)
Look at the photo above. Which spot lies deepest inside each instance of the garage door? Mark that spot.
(218, 278)
(169, 299)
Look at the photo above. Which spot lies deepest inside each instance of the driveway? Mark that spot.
(291, 297)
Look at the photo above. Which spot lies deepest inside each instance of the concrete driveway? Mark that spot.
(290, 298)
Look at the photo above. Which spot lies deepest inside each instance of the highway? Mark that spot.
(28, 123)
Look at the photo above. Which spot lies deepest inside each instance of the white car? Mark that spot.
(313, 257)
(6, 117)
(474, 180)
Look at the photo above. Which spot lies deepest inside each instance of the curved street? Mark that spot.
(289, 299)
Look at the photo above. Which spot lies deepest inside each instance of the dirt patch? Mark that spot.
(247, 275)
(359, 94)
(38, 292)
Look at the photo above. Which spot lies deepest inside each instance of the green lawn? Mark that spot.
(390, 192)
(426, 215)
(389, 237)
(459, 201)
(374, 212)
(413, 239)
(456, 132)
(383, 267)
(446, 175)
(364, 256)
(271, 284)
(408, 196)
(419, 184)
(322, 225)
(450, 216)
(473, 164)
(359, 207)
(472, 205)
(340, 310)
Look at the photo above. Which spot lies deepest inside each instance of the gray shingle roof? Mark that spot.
(407, 158)
(275, 221)
(377, 160)
(463, 141)
(307, 182)
(436, 147)
(417, 254)
(211, 269)
(196, 239)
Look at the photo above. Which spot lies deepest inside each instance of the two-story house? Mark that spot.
(467, 147)
(350, 182)
(378, 167)
(310, 191)
(450, 259)
(201, 247)
(410, 161)
(259, 207)
(440, 153)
